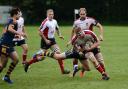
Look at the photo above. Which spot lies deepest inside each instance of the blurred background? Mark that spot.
(34, 11)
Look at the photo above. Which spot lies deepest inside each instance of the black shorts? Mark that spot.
(96, 50)
(19, 43)
(6, 50)
(46, 46)
(74, 54)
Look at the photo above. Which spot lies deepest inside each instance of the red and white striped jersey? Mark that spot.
(86, 24)
(89, 36)
(48, 27)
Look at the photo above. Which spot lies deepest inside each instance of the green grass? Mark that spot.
(46, 74)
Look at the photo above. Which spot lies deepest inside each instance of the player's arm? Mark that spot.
(11, 29)
(95, 45)
(41, 29)
(101, 31)
(25, 34)
(59, 33)
(72, 35)
(24, 31)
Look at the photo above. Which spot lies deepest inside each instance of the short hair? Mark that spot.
(50, 10)
(82, 9)
(14, 11)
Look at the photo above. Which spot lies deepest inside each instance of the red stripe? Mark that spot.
(45, 32)
(91, 27)
(92, 34)
(44, 22)
(73, 39)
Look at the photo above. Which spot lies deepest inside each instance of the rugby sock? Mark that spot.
(61, 64)
(24, 56)
(33, 60)
(100, 69)
(102, 65)
(11, 68)
(49, 54)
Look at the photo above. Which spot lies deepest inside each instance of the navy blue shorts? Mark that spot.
(6, 50)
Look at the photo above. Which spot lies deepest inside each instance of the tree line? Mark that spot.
(111, 11)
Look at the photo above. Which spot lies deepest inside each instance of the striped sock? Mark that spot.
(50, 54)
(11, 68)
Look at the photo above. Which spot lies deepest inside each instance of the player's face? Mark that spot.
(82, 14)
(50, 15)
(80, 33)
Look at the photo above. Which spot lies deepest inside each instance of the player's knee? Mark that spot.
(25, 50)
(56, 50)
(15, 61)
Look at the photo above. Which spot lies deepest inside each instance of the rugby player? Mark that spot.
(46, 31)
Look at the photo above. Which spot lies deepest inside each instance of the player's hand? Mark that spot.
(87, 49)
(48, 42)
(101, 38)
(79, 48)
(21, 34)
(61, 37)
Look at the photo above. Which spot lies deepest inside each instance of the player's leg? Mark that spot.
(99, 58)
(3, 62)
(91, 56)
(24, 54)
(55, 48)
(85, 67)
(14, 56)
(75, 63)
(3, 56)
(38, 56)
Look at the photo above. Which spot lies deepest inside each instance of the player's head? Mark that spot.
(50, 14)
(15, 13)
(82, 13)
(79, 32)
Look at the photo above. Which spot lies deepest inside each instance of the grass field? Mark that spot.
(46, 74)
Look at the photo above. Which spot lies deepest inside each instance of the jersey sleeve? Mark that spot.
(43, 25)
(92, 34)
(94, 22)
(74, 24)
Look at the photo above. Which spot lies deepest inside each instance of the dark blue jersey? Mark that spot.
(7, 38)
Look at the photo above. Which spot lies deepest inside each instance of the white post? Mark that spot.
(76, 11)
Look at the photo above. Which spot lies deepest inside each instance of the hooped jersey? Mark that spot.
(88, 39)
